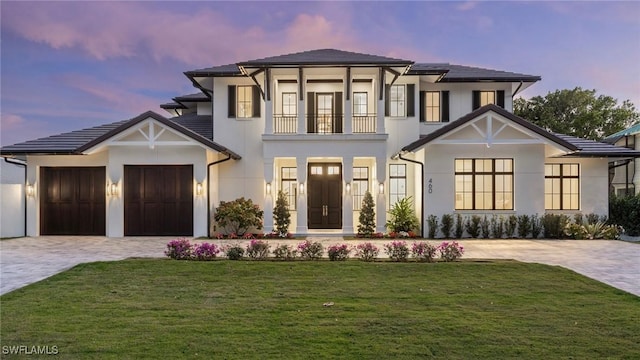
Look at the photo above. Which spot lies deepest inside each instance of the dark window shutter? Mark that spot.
(444, 96)
(387, 100)
(423, 105)
(337, 112)
(311, 111)
(500, 98)
(476, 99)
(255, 101)
(232, 101)
(411, 100)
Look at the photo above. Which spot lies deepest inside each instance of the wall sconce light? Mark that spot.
(29, 190)
(112, 189)
(199, 189)
(348, 188)
(268, 188)
(301, 188)
(381, 188)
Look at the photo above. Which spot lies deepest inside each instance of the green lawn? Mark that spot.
(242, 309)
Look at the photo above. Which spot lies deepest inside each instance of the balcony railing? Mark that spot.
(324, 124)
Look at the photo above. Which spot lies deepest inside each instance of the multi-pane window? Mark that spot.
(397, 101)
(397, 183)
(432, 102)
(289, 104)
(487, 97)
(360, 185)
(359, 104)
(561, 186)
(484, 184)
(244, 102)
(289, 185)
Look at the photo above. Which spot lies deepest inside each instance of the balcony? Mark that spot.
(324, 124)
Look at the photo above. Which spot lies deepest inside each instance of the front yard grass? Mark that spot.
(154, 308)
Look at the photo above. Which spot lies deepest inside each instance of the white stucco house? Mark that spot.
(625, 173)
(324, 126)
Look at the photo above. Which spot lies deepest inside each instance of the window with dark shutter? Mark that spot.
(337, 116)
(411, 104)
(387, 100)
(311, 110)
(500, 98)
(444, 96)
(232, 101)
(423, 96)
(476, 100)
(256, 102)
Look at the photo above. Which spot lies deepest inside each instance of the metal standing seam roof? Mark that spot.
(577, 147)
(76, 142)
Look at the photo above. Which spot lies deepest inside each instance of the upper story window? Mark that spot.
(289, 104)
(360, 104)
(434, 106)
(244, 101)
(484, 184)
(399, 100)
(482, 98)
(562, 187)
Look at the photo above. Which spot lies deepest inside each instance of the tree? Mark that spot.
(238, 216)
(281, 214)
(367, 218)
(577, 112)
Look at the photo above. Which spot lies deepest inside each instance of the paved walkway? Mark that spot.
(27, 260)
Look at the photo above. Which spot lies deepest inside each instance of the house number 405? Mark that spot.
(430, 186)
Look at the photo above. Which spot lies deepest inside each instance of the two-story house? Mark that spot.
(324, 126)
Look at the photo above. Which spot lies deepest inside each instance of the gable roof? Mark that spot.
(460, 73)
(76, 142)
(222, 70)
(578, 147)
(325, 57)
(611, 139)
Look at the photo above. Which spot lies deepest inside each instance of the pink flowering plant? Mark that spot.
(423, 251)
(258, 249)
(205, 251)
(310, 250)
(179, 249)
(367, 251)
(285, 252)
(450, 251)
(338, 252)
(397, 250)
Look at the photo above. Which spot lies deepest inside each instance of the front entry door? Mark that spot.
(324, 185)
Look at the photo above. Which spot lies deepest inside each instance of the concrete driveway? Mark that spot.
(27, 260)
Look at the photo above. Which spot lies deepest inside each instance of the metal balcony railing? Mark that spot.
(285, 124)
(324, 124)
(364, 124)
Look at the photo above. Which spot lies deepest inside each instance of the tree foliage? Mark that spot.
(281, 214)
(238, 216)
(367, 218)
(577, 112)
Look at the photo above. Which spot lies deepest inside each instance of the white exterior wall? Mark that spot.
(12, 200)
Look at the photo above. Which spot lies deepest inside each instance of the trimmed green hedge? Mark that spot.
(625, 211)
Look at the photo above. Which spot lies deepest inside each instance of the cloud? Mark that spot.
(467, 5)
(11, 121)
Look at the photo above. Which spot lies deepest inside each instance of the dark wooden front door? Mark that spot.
(158, 200)
(324, 185)
(72, 201)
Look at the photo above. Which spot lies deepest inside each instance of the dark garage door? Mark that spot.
(72, 201)
(158, 200)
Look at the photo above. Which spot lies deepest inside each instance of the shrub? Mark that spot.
(423, 251)
(402, 216)
(258, 249)
(447, 225)
(472, 225)
(237, 216)
(179, 249)
(578, 219)
(281, 214)
(575, 231)
(367, 218)
(367, 251)
(284, 252)
(497, 227)
(485, 228)
(459, 229)
(524, 226)
(432, 221)
(510, 226)
(234, 252)
(397, 250)
(593, 218)
(625, 211)
(553, 225)
(450, 251)
(310, 250)
(338, 252)
(536, 226)
(205, 251)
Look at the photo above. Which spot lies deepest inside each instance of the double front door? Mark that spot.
(324, 184)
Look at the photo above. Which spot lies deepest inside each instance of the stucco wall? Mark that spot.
(12, 200)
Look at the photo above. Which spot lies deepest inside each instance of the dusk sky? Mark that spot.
(71, 65)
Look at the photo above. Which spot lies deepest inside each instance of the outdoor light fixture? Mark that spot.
(199, 189)
(348, 188)
(381, 188)
(268, 188)
(301, 188)
(112, 189)
(29, 190)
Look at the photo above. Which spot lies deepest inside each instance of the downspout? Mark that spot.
(24, 165)
(209, 191)
(421, 192)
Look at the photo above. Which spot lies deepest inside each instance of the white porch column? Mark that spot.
(268, 117)
(347, 198)
(268, 197)
(115, 203)
(301, 206)
(32, 202)
(381, 199)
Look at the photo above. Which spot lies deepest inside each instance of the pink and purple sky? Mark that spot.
(72, 65)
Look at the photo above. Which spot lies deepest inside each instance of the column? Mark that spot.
(348, 108)
(381, 198)
(380, 129)
(302, 110)
(115, 202)
(301, 166)
(268, 117)
(268, 196)
(347, 199)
